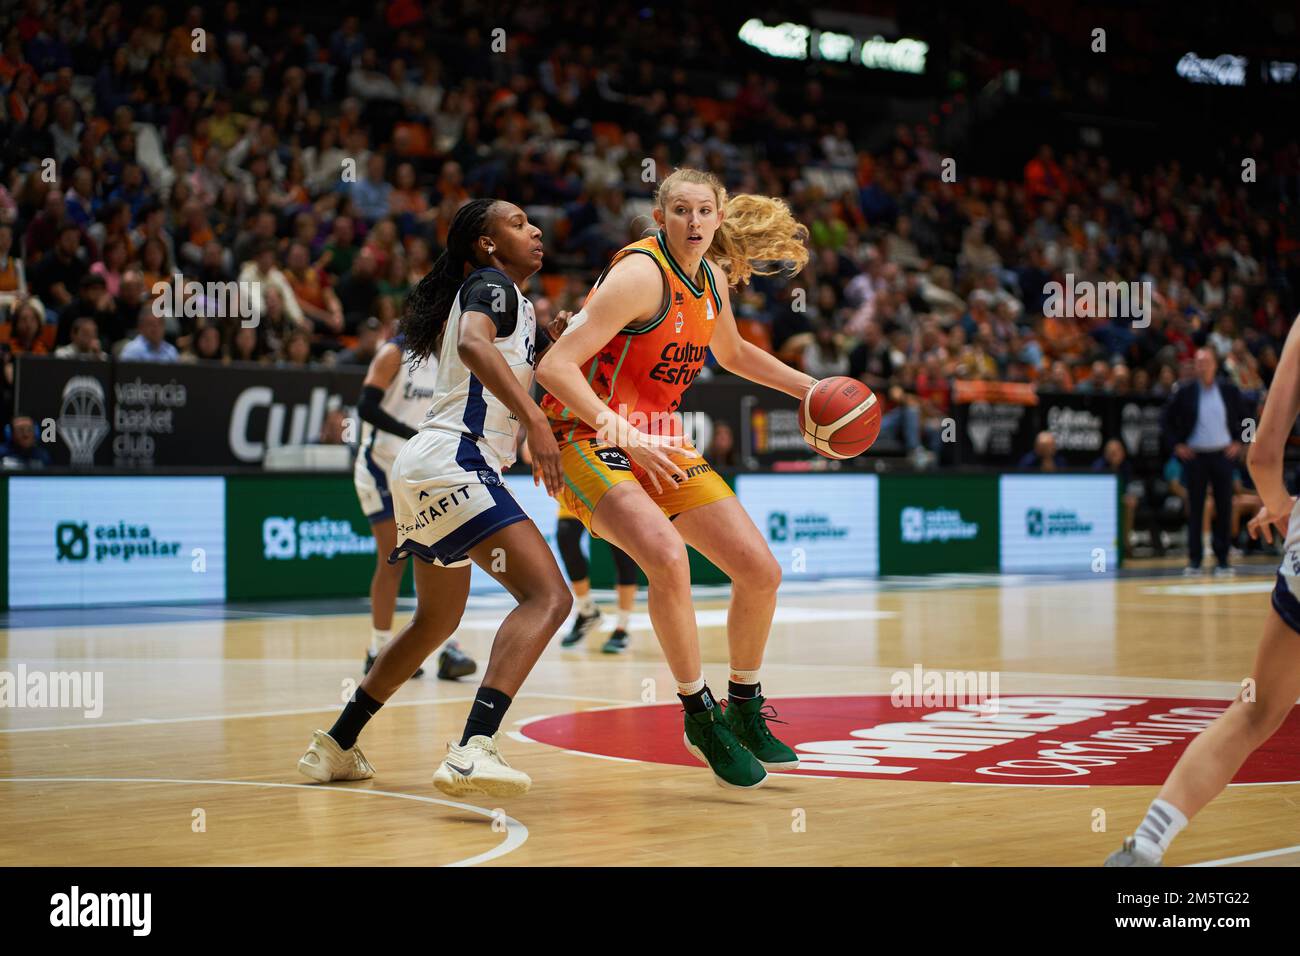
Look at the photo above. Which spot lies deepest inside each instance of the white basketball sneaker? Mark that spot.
(478, 767)
(325, 760)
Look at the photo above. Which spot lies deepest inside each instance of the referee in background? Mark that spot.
(1204, 421)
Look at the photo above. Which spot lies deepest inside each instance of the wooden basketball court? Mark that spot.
(206, 711)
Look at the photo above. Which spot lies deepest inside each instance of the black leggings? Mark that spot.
(568, 534)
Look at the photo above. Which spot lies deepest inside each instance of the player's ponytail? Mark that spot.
(758, 236)
(429, 303)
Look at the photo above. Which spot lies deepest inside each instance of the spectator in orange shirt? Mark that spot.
(1043, 177)
(316, 299)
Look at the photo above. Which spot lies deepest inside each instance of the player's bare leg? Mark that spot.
(723, 532)
(1214, 757)
(627, 517)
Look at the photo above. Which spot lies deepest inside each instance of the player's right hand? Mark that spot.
(545, 459)
(654, 454)
(1265, 521)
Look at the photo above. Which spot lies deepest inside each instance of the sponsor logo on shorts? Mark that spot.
(694, 471)
(614, 459)
(1025, 739)
(437, 508)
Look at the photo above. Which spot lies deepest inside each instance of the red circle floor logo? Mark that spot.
(1021, 740)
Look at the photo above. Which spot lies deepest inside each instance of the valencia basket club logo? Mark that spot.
(83, 419)
(1023, 740)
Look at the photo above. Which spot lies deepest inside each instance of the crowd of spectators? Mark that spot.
(321, 162)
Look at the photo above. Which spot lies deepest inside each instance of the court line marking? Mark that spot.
(1246, 857)
(152, 721)
(583, 753)
(516, 832)
(883, 668)
(1036, 786)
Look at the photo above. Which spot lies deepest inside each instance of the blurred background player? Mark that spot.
(568, 533)
(394, 398)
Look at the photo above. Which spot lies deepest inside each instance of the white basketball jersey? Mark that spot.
(406, 399)
(461, 403)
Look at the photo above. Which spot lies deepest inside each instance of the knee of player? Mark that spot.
(1263, 717)
(764, 573)
(665, 559)
(557, 602)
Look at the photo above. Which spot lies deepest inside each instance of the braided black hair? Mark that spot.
(429, 303)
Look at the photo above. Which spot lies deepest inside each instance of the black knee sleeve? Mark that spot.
(624, 566)
(568, 535)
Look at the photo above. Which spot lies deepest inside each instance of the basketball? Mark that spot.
(839, 417)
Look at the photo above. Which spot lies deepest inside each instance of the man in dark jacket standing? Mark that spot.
(1204, 421)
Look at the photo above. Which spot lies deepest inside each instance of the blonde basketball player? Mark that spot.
(616, 378)
(394, 396)
(1209, 763)
(450, 504)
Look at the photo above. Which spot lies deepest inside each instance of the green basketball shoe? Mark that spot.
(710, 739)
(748, 721)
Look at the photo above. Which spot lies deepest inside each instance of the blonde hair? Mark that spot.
(758, 236)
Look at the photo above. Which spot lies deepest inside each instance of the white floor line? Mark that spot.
(516, 832)
(583, 753)
(1036, 786)
(153, 721)
(528, 720)
(600, 700)
(1246, 857)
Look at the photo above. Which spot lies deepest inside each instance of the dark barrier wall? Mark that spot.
(140, 415)
(1000, 434)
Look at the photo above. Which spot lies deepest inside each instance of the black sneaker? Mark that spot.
(583, 625)
(617, 642)
(370, 662)
(453, 663)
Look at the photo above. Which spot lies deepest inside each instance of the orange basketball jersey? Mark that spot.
(642, 373)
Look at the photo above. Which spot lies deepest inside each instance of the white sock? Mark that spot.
(750, 681)
(624, 619)
(691, 687)
(378, 639)
(586, 604)
(1163, 822)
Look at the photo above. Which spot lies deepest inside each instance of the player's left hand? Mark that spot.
(1265, 521)
(555, 328)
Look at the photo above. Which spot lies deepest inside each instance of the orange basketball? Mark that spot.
(839, 417)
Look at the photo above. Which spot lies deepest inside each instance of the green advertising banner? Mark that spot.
(938, 524)
(290, 536)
